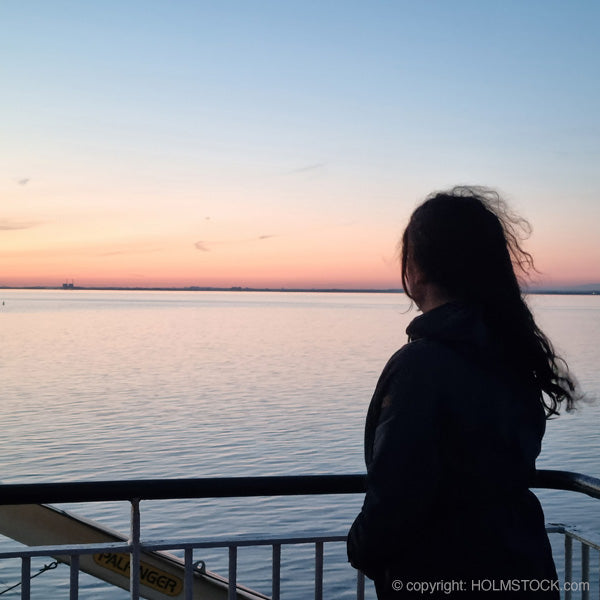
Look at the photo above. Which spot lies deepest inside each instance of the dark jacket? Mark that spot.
(451, 439)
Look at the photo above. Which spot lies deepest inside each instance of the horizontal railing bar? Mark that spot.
(583, 536)
(164, 489)
(240, 541)
(227, 487)
(67, 549)
(569, 481)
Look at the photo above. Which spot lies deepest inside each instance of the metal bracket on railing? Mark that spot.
(200, 565)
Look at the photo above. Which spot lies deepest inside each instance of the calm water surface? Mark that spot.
(115, 385)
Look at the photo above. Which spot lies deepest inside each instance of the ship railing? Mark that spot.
(133, 491)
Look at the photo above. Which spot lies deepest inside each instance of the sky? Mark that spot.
(285, 144)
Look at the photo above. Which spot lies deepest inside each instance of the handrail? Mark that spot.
(227, 487)
(163, 489)
(567, 480)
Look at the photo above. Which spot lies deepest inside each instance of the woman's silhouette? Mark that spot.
(457, 417)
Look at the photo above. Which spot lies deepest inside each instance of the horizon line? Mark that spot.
(594, 289)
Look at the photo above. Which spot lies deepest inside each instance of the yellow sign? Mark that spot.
(150, 576)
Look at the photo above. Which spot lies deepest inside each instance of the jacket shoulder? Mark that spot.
(415, 357)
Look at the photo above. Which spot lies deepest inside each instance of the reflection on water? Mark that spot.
(113, 385)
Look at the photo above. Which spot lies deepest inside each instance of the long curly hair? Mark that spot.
(468, 242)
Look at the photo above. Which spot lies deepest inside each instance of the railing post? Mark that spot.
(25, 577)
(134, 563)
(319, 571)
(188, 573)
(232, 573)
(585, 570)
(74, 578)
(276, 585)
(568, 564)
(360, 585)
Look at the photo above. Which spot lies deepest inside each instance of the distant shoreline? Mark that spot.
(560, 292)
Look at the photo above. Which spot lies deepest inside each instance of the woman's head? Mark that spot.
(466, 242)
(467, 245)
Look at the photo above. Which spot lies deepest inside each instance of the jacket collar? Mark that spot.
(451, 322)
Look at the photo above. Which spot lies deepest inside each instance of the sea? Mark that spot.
(109, 385)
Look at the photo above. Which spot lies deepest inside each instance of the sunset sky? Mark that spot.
(284, 144)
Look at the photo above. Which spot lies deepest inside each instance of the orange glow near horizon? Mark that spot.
(174, 262)
(259, 264)
(297, 248)
(236, 253)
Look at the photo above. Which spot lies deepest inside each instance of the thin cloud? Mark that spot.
(24, 181)
(203, 246)
(6, 225)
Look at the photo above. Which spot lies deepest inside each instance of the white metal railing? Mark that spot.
(584, 583)
(75, 551)
(229, 487)
(587, 541)
(318, 540)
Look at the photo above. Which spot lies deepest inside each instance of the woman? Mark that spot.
(457, 417)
